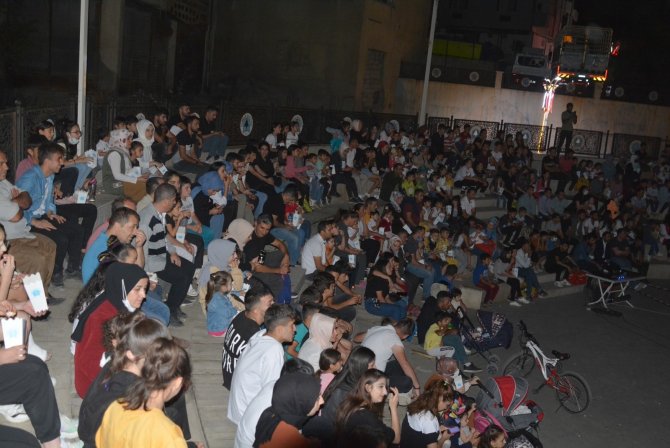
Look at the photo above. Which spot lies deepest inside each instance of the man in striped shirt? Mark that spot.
(169, 267)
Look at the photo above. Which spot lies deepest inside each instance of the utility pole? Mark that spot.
(429, 59)
(81, 86)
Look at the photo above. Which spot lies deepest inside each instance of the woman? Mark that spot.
(362, 409)
(145, 135)
(239, 231)
(125, 290)
(379, 300)
(73, 163)
(421, 427)
(118, 175)
(323, 425)
(138, 419)
(295, 398)
(324, 332)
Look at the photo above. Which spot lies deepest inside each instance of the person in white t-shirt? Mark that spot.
(386, 342)
(313, 256)
(261, 363)
(246, 429)
(468, 205)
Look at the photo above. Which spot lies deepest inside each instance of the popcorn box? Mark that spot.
(35, 290)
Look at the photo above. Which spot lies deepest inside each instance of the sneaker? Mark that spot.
(180, 314)
(640, 286)
(469, 367)
(468, 351)
(559, 283)
(57, 279)
(542, 293)
(523, 300)
(14, 413)
(566, 283)
(514, 303)
(192, 292)
(68, 427)
(175, 322)
(54, 300)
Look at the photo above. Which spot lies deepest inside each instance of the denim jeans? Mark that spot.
(395, 311)
(262, 199)
(216, 225)
(531, 280)
(154, 307)
(425, 274)
(293, 238)
(215, 146)
(315, 189)
(207, 235)
(83, 171)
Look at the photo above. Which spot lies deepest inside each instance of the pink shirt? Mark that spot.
(291, 171)
(326, 379)
(23, 166)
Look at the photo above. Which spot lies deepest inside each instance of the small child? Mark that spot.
(220, 310)
(443, 326)
(302, 330)
(103, 145)
(330, 363)
(408, 185)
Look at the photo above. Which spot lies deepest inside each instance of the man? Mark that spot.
(262, 362)
(152, 184)
(429, 310)
(411, 208)
(161, 142)
(169, 266)
(214, 142)
(568, 119)
(32, 253)
(391, 182)
(42, 216)
(242, 328)
(294, 237)
(183, 111)
(437, 140)
(413, 246)
(185, 159)
(123, 225)
(343, 174)
(346, 250)
(313, 257)
(117, 203)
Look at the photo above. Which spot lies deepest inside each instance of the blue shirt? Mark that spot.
(477, 273)
(40, 189)
(90, 263)
(220, 313)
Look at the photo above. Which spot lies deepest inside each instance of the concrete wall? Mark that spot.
(515, 106)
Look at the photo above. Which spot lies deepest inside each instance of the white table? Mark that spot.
(608, 285)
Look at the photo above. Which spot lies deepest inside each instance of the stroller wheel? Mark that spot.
(494, 359)
(492, 369)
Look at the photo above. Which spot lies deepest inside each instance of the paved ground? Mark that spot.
(625, 360)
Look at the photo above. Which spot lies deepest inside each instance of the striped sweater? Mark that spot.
(155, 249)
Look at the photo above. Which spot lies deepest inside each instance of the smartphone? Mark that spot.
(454, 430)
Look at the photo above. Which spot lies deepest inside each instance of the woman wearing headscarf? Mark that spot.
(240, 231)
(118, 175)
(221, 256)
(323, 334)
(125, 290)
(295, 398)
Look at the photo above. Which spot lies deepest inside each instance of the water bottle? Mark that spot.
(261, 257)
(92, 189)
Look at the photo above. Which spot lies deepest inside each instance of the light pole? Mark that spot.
(429, 59)
(81, 84)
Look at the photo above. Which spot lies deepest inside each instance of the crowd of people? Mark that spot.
(193, 220)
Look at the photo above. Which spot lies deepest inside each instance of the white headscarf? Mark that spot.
(142, 127)
(116, 137)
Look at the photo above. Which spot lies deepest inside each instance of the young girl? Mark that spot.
(193, 224)
(173, 221)
(138, 419)
(330, 363)
(220, 310)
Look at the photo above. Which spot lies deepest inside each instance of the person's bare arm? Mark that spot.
(399, 353)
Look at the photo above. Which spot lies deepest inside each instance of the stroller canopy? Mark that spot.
(509, 392)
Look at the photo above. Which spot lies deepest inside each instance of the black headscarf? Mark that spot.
(119, 279)
(293, 396)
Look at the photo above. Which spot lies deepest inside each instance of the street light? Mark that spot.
(429, 59)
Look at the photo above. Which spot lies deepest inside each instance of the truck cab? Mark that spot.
(581, 54)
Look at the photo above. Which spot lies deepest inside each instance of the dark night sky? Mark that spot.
(642, 28)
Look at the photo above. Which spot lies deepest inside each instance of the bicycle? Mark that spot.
(572, 391)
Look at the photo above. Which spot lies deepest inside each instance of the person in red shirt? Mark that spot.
(125, 290)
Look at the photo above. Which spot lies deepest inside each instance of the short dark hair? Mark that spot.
(405, 325)
(122, 215)
(264, 219)
(291, 191)
(161, 111)
(211, 108)
(152, 184)
(119, 202)
(190, 119)
(322, 281)
(296, 365)
(323, 225)
(253, 297)
(165, 191)
(278, 314)
(47, 150)
(310, 295)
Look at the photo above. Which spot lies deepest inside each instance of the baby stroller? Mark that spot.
(494, 330)
(502, 401)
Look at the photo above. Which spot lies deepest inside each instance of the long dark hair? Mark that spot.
(165, 361)
(116, 251)
(430, 398)
(353, 369)
(359, 398)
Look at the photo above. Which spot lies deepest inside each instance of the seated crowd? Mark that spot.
(192, 220)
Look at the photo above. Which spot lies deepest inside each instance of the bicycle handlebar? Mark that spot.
(525, 332)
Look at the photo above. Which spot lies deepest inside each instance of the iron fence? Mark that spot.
(477, 126)
(623, 145)
(434, 122)
(535, 137)
(583, 141)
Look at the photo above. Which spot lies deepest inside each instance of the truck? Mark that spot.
(581, 54)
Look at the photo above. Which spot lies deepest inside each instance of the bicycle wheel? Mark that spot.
(521, 363)
(572, 392)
